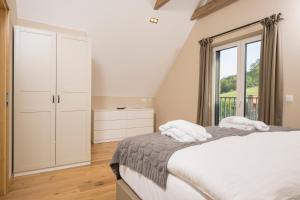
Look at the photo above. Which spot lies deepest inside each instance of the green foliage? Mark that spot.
(253, 91)
(228, 84)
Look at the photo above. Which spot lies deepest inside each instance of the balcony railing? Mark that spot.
(227, 107)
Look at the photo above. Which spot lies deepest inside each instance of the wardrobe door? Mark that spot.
(74, 100)
(34, 90)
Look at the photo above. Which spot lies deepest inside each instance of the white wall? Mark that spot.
(178, 95)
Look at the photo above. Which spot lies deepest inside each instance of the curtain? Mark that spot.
(271, 78)
(204, 116)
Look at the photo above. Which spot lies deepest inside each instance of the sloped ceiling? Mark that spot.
(130, 55)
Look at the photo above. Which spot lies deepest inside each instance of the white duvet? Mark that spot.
(260, 166)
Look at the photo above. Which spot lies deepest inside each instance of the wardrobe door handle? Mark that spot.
(58, 99)
(53, 99)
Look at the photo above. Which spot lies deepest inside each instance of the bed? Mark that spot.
(235, 165)
(144, 188)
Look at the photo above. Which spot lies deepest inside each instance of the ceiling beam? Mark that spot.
(160, 3)
(210, 7)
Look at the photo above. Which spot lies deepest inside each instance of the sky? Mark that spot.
(228, 59)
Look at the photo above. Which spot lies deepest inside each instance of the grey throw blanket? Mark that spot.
(149, 154)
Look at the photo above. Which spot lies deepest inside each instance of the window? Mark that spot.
(237, 79)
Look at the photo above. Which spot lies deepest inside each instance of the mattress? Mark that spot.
(176, 188)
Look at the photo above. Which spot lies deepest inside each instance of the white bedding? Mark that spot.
(147, 190)
(242, 123)
(260, 166)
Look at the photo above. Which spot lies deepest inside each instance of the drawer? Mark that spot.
(143, 114)
(123, 114)
(138, 131)
(139, 123)
(109, 125)
(109, 135)
(109, 115)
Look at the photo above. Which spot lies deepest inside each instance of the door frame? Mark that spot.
(241, 71)
(4, 74)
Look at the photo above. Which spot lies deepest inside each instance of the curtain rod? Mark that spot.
(241, 27)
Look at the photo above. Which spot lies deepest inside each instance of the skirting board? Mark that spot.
(124, 192)
(51, 169)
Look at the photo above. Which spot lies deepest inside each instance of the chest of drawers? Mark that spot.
(113, 125)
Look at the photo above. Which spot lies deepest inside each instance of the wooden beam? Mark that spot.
(210, 7)
(160, 3)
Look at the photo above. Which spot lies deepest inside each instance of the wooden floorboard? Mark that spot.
(94, 182)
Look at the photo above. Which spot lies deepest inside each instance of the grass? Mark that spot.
(250, 92)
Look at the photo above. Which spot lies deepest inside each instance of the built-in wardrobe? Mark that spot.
(52, 100)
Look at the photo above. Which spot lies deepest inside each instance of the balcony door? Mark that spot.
(237, 79)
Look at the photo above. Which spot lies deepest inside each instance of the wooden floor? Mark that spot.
(95, 182)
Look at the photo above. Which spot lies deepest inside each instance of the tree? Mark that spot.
(228, 84)
(253, 75)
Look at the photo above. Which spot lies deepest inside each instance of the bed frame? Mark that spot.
(124, 192)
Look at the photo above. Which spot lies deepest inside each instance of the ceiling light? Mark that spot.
(153, 20)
